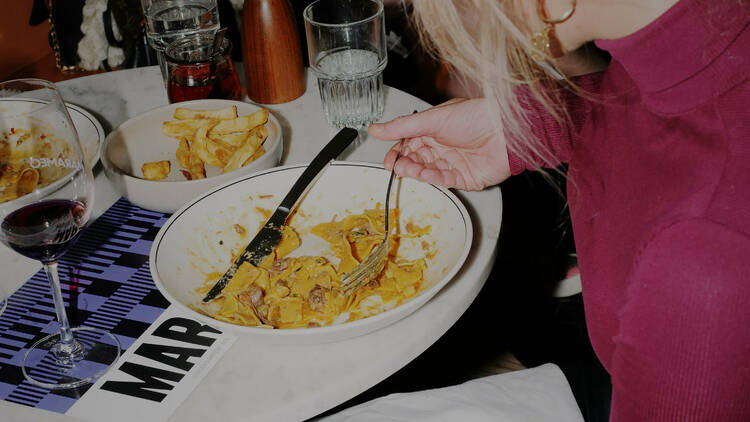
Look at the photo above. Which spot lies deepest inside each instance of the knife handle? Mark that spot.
(329, 153)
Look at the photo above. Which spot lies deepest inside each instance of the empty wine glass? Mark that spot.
(46, 196)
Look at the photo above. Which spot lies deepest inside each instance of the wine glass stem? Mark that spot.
(66, 335)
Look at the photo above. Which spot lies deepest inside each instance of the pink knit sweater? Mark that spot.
(659, 191)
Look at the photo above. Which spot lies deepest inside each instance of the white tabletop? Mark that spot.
(265, 382)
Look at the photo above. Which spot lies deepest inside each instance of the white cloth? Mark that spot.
(93, 47)
(535, 395)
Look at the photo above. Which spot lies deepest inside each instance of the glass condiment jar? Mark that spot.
(197, 70)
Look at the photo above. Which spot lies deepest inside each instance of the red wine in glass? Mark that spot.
(44, 230)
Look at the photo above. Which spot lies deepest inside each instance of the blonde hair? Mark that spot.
(480, 40)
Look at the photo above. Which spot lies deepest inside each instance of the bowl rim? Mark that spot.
(113, 169)
(83, 113)
(373, 320)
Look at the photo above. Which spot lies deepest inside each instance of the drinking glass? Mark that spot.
(170, 20)
(196, 70)
(46, 196)
(346, 45)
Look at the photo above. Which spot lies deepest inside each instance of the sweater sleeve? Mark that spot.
(683, 348)
(556, 137)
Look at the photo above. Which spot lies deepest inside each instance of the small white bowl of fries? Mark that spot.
(163, 158)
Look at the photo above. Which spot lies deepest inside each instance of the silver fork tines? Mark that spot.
(374, 263)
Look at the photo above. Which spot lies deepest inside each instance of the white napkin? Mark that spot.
(536, 394)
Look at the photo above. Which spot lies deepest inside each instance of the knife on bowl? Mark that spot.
(269, 235)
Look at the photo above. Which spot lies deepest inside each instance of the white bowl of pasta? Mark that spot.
(294, 297)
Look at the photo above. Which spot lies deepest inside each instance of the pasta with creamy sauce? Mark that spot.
(297, 292)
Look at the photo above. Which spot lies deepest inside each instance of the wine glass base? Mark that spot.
(45, 368)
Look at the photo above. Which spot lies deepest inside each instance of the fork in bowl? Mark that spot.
(374, 263)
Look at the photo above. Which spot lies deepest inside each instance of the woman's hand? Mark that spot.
(454, 145)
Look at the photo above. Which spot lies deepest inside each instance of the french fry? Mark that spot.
(225, 113)
(240, 124)
(216, 137)
(183, 153)
(230, 141)
(218, 152)
(186, 128)
(258, 152)
(197, 169)
(256, 138)
(190, 161)
(156, 170)
(200, 147)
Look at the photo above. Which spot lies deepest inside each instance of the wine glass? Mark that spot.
(46, 196)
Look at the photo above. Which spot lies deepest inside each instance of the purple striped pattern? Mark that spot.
(106, 284)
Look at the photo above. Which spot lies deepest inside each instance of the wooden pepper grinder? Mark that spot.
(271, 52)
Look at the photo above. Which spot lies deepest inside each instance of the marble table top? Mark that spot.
(266, 382)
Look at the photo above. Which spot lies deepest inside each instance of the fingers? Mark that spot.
(449, 179)
(425, 123)
(419, 149)
(406, 167)
(390, 158)
(429, 173)
(423, 159)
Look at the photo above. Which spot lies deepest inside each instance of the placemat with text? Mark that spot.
(106, 283)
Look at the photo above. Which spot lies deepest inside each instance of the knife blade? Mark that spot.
(269, 235)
